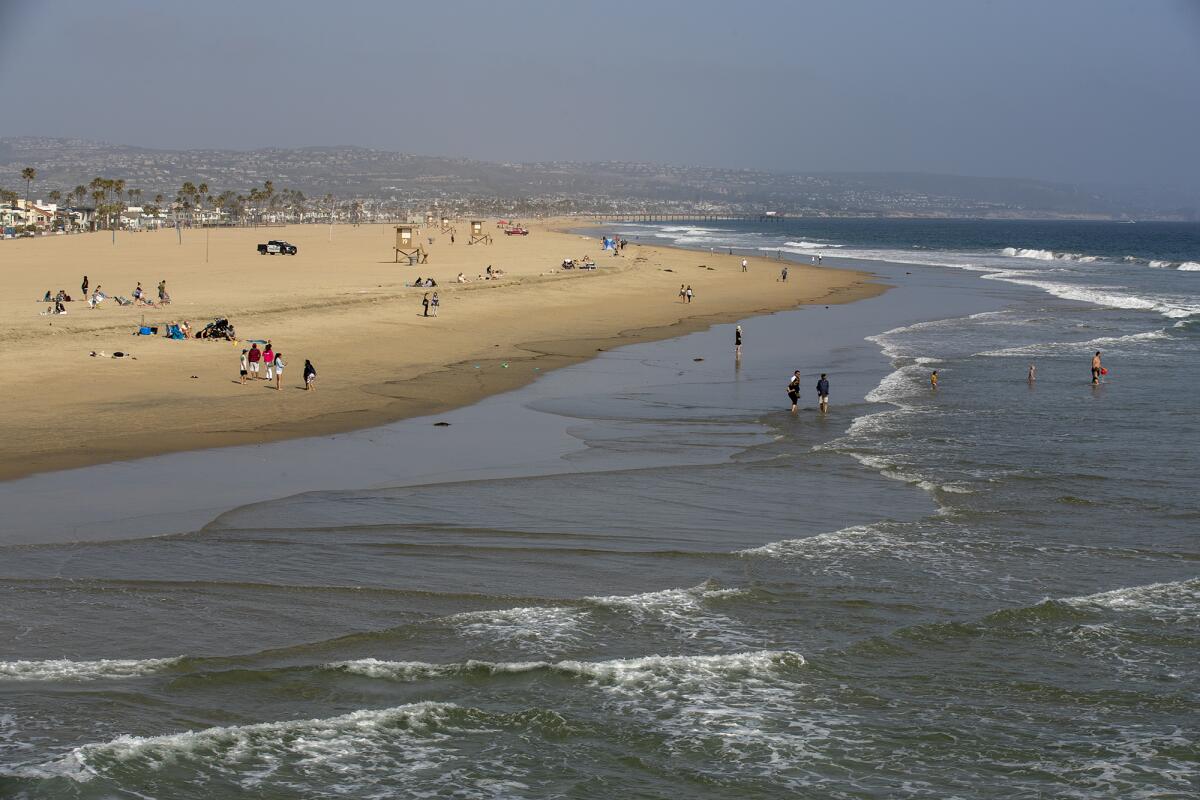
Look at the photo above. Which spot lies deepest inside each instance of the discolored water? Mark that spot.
(987, 591)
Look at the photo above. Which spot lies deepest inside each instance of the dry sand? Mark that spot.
(342, 303)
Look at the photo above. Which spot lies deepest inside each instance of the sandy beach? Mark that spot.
(343, 303)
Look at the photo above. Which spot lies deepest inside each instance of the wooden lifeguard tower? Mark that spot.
(477, 233)
(446, 226)
(408, 246)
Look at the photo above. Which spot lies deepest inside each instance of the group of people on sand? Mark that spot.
(270, 361)
(97, 296)
(431, 304)
(491, 274)
(685, 293)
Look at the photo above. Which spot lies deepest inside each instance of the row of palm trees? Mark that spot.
(110, 197)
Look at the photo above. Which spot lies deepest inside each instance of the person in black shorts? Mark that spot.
(737, 343)
(793, 390)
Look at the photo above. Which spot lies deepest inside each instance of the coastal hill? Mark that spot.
(566, 187)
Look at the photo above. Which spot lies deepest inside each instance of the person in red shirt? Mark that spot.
(255, 357)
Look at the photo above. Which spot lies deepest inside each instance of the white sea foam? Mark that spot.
(1189, 266)
(1174, 308)
(628, 672)
(1178, 600)
(362, 747)
(1046, 255)
(66, 670)
(1067, 348)
(1162, 264)
(548, 629)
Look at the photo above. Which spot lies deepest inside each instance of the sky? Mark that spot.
(1068, 90)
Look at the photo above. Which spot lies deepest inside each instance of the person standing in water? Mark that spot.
(1097, 369)
(793, 390)
(737, 342)
(823, 393)
(933, 380)
(1032, 373)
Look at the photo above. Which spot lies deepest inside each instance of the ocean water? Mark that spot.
(991, 590)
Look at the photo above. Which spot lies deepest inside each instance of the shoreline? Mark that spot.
(425, 387)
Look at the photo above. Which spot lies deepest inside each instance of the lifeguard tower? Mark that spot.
(477, 234)
(446, 226)
(408, 246)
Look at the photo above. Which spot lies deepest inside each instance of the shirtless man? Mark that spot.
(1096, 368)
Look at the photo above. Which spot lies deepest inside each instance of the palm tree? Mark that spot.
(29, 174)
(80, 193)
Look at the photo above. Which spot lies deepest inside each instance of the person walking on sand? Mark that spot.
(682, 294)
(310, 376)
(783, 275)
(245, 367)
(435, 303)
(689, 294)
(83, 288)
(737, 342)
(823, 393)
(933, 379)
(745, 265)
(793, 390)
(1097, 369)
(279, 365)
(268, 358)
(425, 303)
(254, 357)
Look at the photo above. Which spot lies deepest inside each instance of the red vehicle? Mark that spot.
(516, 231)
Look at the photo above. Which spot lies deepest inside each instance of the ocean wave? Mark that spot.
(1069, 348)
(67, 670)
(1173, 601)
(388, 742)
(1173, 308)
(1046, 255)
(546, 629)
(1189, 266)
(629, 672)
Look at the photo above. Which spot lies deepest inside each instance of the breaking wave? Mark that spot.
(67, 670)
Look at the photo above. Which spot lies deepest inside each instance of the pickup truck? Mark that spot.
(516, 231)
(276, 247)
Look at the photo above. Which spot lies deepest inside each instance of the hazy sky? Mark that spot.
(1077, 90)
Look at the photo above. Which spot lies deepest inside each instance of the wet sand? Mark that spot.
(342, 302)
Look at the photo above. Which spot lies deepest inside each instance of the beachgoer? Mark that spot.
(689, 294)
(279, 365)
(933, 379)
(818, 258)
(823, 393)
(682, 294)
(783, 275)
(310, 376)
(1096, 368)
(1032, 373)
(745, 265)
(435, 302)
(254, 356)
(268, 358)
(83, 288)
(793, 390)
(425, 303)
(452, 238)
(245, 367)
(137, 291)
(737, 342)
(163, 297)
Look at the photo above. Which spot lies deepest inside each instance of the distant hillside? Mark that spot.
(358, 172)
